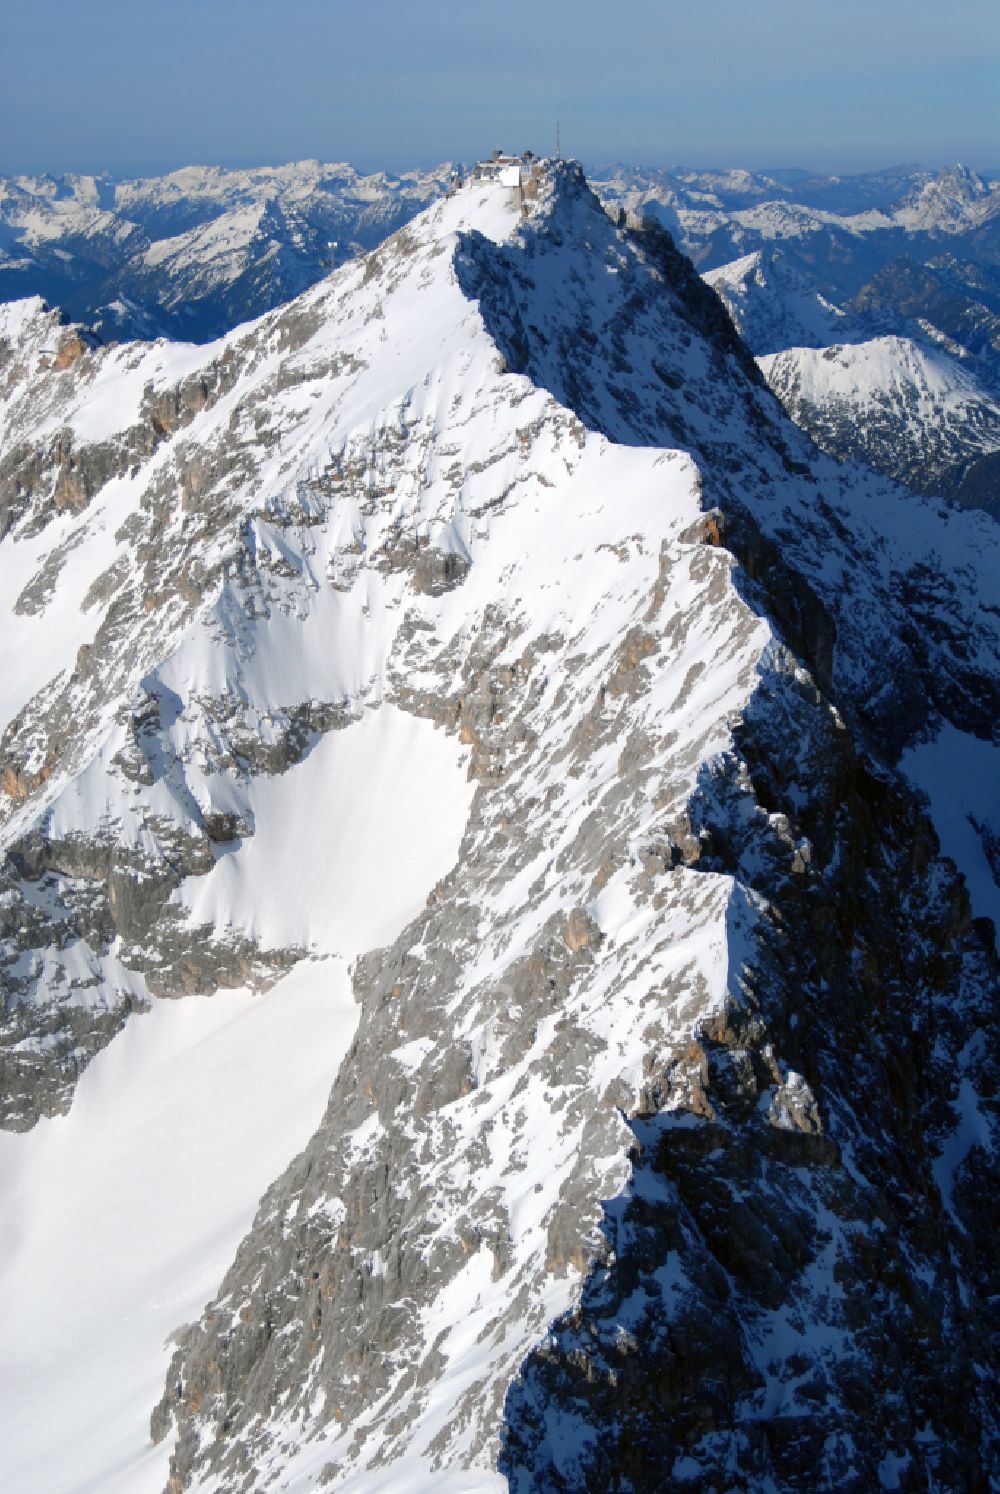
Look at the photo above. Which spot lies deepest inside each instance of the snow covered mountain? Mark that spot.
(192, 254)
(719, 215)
(930, 331)
(894, 405)
(775, 307)
(476, 636)
(821, 261)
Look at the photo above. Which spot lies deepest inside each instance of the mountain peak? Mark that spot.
(474, 638)
(956, 199)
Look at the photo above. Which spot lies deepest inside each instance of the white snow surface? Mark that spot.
(119, 1218)
(348, 842)
(869, 371)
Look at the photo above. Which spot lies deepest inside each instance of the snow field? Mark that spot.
(348, 842)
(120, 1218)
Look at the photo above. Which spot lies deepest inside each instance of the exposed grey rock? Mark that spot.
(780, 1211)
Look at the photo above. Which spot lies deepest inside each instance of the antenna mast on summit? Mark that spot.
(558, 146)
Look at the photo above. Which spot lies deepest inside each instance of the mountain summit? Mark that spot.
(477, 626)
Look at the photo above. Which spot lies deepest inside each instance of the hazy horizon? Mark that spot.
(135, 91)
(400, 167)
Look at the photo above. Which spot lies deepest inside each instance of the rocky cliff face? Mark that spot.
(659, 1157)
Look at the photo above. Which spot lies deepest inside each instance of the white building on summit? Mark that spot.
(519, 174)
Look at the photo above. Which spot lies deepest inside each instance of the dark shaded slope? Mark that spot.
(799, 1299)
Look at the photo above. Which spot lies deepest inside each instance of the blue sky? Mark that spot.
(130, 87)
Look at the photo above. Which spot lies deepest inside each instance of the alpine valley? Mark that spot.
(500, 851)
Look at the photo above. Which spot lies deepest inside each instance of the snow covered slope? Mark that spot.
(774, 307)
(119, 1219)
(480, 619)
(888, 402)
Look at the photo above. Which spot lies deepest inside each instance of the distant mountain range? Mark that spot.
(718, 215)
(194, 253)
(906, 256)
